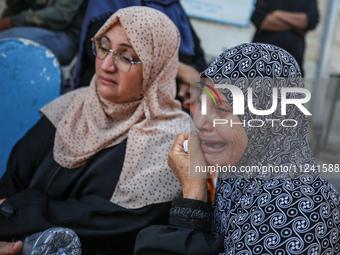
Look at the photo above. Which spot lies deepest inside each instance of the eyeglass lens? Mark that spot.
(120, 59)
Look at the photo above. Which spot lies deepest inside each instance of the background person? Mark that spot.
(55, 24)
(284, 23)
(253, 212)
(100, 168)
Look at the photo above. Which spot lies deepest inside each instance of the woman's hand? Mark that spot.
(187, 94)
(5, 23)
(13, 248)
(7, 248)
(179, 161)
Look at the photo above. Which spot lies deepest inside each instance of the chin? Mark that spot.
(215, 160)
(108, 95)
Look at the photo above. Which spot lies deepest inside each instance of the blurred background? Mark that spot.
(221, 24)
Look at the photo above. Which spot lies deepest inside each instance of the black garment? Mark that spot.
(187, 233)
(45, 195)
(291, 41)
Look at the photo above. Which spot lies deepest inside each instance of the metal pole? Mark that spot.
(319, 86)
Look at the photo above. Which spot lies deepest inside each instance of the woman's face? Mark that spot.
(112, 84)
(223, 144)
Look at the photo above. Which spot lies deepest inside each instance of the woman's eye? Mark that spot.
(104, 49)
(223, 109)
(126, 59)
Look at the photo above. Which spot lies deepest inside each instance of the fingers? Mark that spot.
(177, 157)
(184, 90)
(186, 72)
(17, 247)
(13, 248)
(178, 143)
(186, 104)
(194, 141)
(188, 94)
(2, 200)
(179, 162)
(184, 94)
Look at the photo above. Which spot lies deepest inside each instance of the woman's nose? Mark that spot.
(203, 122)
(108, 65)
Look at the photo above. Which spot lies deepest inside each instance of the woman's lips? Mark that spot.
(209, 146)
(107, 81)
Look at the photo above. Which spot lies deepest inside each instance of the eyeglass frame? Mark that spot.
(114, 54)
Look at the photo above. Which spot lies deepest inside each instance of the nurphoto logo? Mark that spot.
(238, 100)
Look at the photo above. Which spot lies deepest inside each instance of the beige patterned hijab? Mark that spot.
(87, 123)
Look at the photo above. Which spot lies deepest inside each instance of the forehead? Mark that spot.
(116, 33)
(209, 82)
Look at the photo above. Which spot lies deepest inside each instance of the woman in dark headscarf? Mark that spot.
(272, 198)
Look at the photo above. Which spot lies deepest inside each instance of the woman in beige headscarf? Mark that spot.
(96, 161)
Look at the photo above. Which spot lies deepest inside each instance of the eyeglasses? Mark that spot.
(122, 61)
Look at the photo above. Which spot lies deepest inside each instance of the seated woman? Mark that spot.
(96, 162)
(264, 211)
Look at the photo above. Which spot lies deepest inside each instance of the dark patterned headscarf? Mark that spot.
(295, 214)
(263, 67)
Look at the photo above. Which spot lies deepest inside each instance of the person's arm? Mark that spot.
(197, 63)
(185, 92)
(55, 17)
(189, 228)
(188, 232)
(312, 13)
(283, 20)
(97, 221)
(13, 7)
(262, 9)
(180, 162)
(267, 19)
(5, 23)
(10, 248)
(296, 20)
